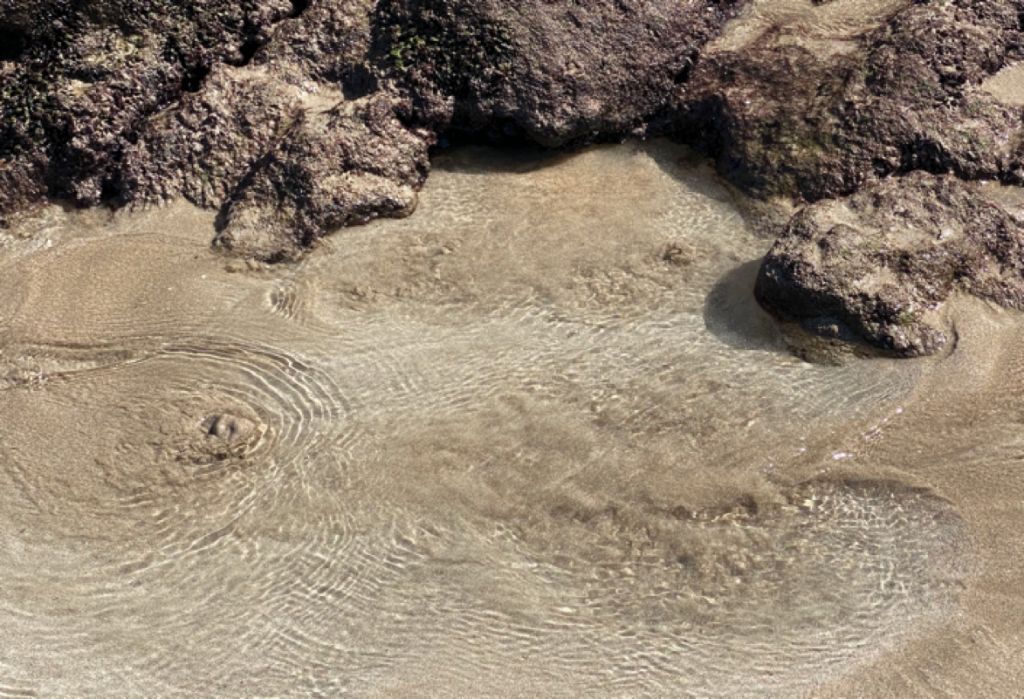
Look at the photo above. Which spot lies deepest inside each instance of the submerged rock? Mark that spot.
(877, 266)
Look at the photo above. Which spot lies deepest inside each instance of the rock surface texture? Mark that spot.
(818, 110)
(876, 266)
(295, 117)
(554, 72)
(820, 103)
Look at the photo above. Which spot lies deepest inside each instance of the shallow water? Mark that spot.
(1007, 85)
(536, 438)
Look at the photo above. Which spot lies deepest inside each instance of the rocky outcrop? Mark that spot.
(294, 117)
(203, 146)
(889, 108)
(336, 167)
(86, 77)
(554, 72)
(878, 265)
(820, 114)
(297, 116)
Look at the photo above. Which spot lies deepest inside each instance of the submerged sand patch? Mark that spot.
(1007, 85)
(535, 439)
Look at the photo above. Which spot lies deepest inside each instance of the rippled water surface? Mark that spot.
(535, 439)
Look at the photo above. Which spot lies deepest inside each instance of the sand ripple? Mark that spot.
(520, 443)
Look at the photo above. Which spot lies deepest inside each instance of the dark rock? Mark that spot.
(879, 264)
(328, 43)
(785, 114)
(557, 72)
(90, 75)
(295, 117)
(202, 147)
(334, 167)
(142, 100)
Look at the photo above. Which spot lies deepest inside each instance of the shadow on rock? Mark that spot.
(691, 167)
(481, 158)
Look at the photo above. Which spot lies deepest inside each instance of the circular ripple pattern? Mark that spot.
(211, 417)
(519, 443)
(290, 298)
(195, 454)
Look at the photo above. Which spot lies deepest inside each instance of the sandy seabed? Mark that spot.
(536, 439)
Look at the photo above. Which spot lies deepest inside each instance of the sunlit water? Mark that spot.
(536, 438)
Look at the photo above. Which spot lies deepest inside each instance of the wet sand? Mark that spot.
(536, 439)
